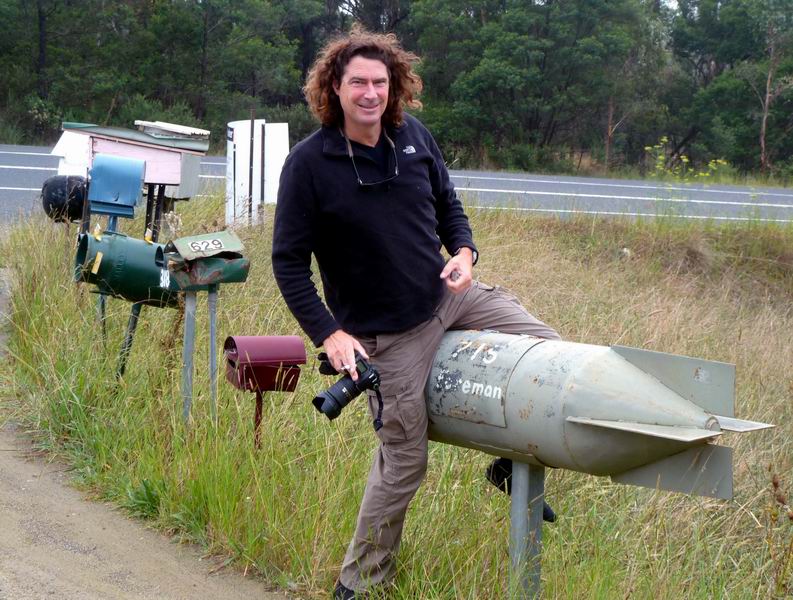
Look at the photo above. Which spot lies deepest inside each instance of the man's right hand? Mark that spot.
(340, 348)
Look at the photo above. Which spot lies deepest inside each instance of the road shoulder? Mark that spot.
(56, 544)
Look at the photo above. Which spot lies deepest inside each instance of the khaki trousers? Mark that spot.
(404, 361)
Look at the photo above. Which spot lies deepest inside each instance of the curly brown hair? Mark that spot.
(404, 84)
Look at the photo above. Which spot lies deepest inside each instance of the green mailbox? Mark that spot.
(124, 267)
(198, 262)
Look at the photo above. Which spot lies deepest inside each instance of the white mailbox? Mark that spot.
(254, 158)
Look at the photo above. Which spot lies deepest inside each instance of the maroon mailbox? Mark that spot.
(262, 363)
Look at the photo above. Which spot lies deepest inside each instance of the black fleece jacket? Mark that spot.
(377, 247)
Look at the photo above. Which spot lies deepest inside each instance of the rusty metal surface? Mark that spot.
(208, 271)
(225, 243)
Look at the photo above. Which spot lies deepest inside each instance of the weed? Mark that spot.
(143, 500)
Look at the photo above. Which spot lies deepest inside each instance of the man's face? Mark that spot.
(363, 92)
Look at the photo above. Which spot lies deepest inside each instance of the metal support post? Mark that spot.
(250, 174)
(134, 314)
(257, 419)
(525, 534)
(149, 208)
(158, 209)
(187, 354)
(212, 302)
(85, 218)
(102, 315)
(112, 225)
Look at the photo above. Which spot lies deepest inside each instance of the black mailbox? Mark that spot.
(62, 197)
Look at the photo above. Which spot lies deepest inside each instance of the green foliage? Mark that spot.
(510, 84)
(301, 122)
(519, 77)
(140, 107)
(42, 114)
(10, 131)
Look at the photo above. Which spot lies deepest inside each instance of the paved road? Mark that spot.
(24, 168)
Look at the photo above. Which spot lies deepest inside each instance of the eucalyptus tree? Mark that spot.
(526, 77)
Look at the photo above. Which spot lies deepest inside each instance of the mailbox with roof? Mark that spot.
(172, 152)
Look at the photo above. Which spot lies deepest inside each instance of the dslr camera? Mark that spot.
(340, 394)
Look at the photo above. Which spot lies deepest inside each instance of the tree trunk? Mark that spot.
(200, 109)
(764, 123)
(41, 60)
(675, 154)
(767, 100)
(609, 132)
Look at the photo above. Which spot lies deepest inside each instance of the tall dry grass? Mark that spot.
(287, 510)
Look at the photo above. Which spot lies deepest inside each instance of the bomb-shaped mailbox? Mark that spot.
(197, 262)
(644, 418)
(262, 364)
(124, 267)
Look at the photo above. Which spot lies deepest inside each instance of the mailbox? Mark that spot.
(115, 186)
(199, 261)
(264, 363)
(124, 267)
(62, 197)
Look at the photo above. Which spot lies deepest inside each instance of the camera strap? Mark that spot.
(378, 420)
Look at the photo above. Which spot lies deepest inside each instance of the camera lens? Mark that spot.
(327, 405)
(331, 401)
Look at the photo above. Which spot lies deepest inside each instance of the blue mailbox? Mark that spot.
(115, 185)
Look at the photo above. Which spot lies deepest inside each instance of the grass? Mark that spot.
(287, 510)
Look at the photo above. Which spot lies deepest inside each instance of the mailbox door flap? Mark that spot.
(267, 378)
(208, 244)
(199, 273)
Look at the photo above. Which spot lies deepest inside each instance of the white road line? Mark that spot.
(650, 198)
(16, 189)
(29, 153)
(624, 185)
(628, 214)
(203, 162)
(213, 176)
(28, 168)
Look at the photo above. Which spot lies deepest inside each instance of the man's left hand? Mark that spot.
(458, 271)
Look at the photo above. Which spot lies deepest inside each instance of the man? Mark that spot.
(370, 197)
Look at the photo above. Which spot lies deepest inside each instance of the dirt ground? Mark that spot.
(54, 544)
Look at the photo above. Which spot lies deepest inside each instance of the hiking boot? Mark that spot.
(499, 473)
(344, 593)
